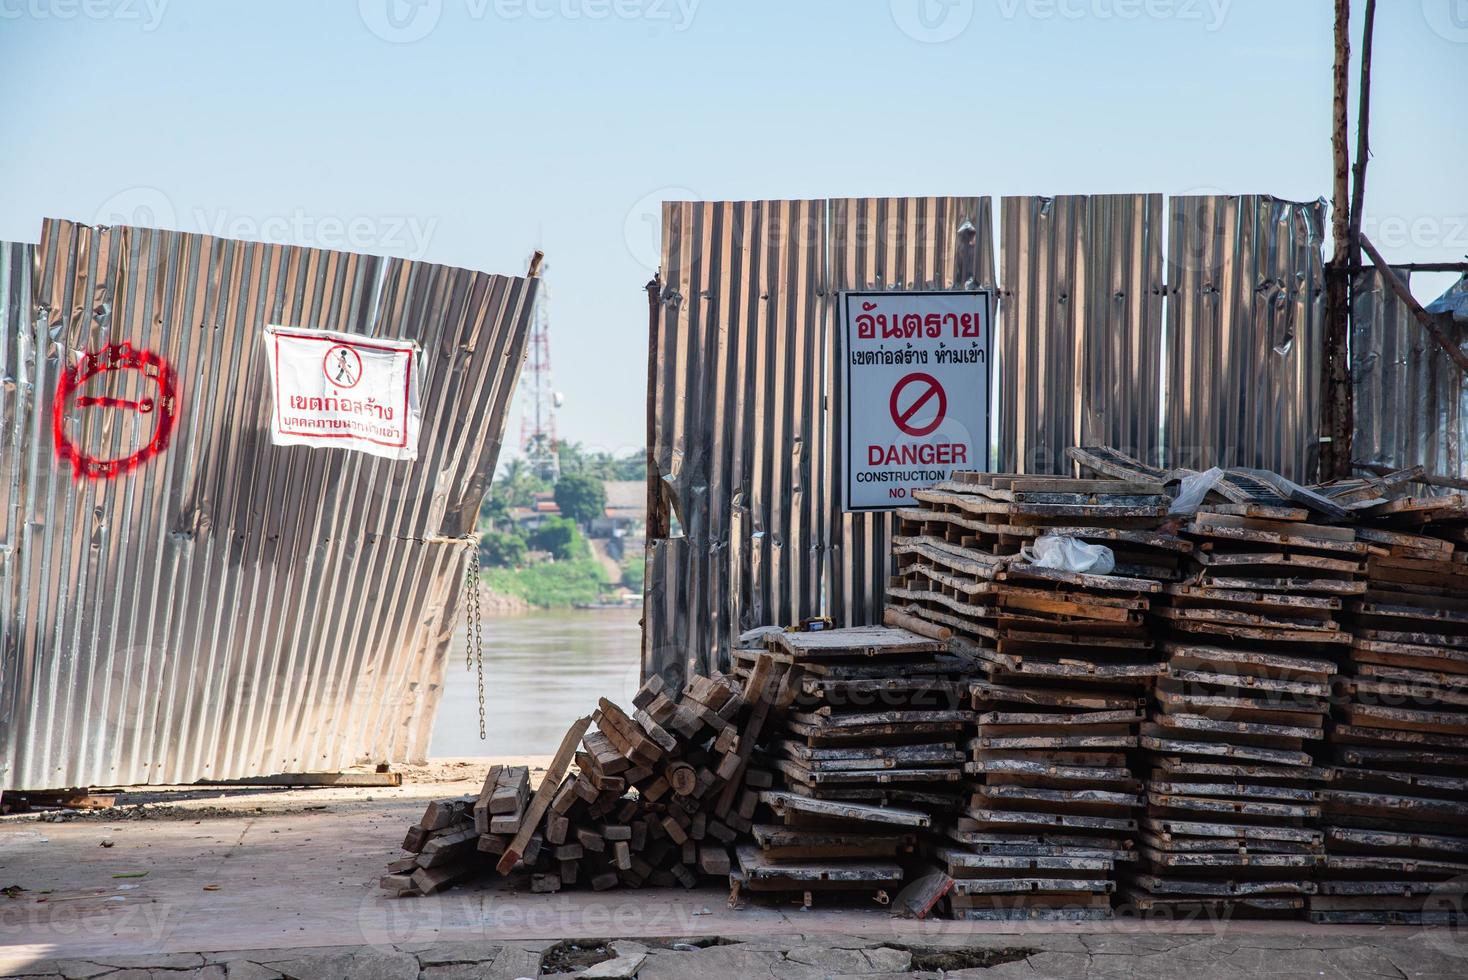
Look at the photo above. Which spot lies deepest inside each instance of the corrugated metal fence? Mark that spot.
(233, 608)
(1082, 327)
(17, 386)
(1218, 361)
(1245, 325)
(1411, 400)
(743, 440)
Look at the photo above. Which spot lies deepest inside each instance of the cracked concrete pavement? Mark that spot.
(266, 885)
(1339, 954)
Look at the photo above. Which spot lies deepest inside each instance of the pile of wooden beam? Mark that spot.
(1065, 660)
(1253, 637)
(1396, 808)
(865, 746)
(656, 797)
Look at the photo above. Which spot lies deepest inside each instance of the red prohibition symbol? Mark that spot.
(342, 366)
(908, 398)
(158, 402)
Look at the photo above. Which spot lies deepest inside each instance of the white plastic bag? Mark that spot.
(1194, 490)
(1070, 555)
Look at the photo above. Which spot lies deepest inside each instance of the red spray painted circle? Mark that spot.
(161, 405)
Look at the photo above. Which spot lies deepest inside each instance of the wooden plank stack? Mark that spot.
(1396, 809)
(875, 715)
(1261, 709)
(658, 796)
(826, 846)
(867, 742)
(1253, 637)
(1065, 658)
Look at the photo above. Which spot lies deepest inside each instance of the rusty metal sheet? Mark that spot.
(738, 397)
(742, 376)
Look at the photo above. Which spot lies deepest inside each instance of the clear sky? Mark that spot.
(470, 132)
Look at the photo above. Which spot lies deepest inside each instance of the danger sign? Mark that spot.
(914, 374)
(344, 391)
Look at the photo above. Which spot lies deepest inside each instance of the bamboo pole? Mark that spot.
(655, 522)
(1363, 135)
(1336, 402)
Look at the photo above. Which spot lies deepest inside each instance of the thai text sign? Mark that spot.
(914, 369)
(344, 391)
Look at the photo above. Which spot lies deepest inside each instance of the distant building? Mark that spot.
(626, 509)
(542, 505)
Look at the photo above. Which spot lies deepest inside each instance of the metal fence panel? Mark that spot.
(17, 417)
(233, 608)
(1245, 321)
(1081, 327)
(738, 391)
(743, 446)
(890, 243)
(742, 354)
(1411, 403)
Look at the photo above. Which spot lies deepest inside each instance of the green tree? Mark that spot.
(560, 537)
(570, 456)
(517, 484)
(632, 574)
(500, 550)
(633, 466)
(495, 511)
(581, 497)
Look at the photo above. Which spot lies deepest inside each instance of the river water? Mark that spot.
(542, 671)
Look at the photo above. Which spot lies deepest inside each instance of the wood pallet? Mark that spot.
(1395, 814)
(867, 746)
(1253, 635)
(1065, 661)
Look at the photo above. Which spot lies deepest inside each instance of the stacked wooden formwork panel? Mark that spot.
(865, 749)
(1065, 660)
(1253, 635)
(1396, 809)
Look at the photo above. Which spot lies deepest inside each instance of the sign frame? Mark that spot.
(331, 429)
(844, 391)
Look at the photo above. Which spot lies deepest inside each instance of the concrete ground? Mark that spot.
(273, 883)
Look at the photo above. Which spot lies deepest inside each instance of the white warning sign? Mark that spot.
(344, 391)
(914, 372)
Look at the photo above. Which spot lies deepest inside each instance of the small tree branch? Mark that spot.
(1423, 317)
(1339, 139)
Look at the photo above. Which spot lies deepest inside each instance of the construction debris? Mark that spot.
(656, 797)
(1247, 697)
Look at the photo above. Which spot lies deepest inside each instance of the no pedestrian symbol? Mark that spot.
(912, 397)
(342, 366)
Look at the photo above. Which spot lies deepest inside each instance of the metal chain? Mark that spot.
(474, 644)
